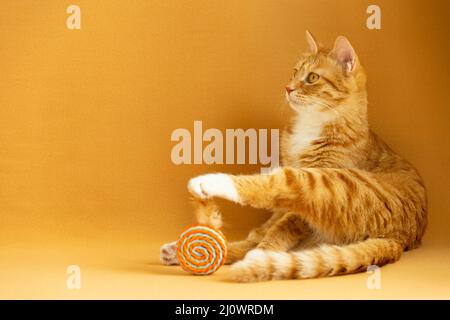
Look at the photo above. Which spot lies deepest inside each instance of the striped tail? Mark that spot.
(325, 260)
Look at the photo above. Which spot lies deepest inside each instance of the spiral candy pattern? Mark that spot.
(201, 250)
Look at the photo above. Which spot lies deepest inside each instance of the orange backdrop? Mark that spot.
(86, 115)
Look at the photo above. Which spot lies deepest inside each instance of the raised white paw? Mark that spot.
(213, 185)
(169, 254)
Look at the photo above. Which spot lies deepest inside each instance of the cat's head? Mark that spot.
(326, 80)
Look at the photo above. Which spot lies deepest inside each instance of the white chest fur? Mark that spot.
(307, 128)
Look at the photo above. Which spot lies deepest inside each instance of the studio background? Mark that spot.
(86, 116)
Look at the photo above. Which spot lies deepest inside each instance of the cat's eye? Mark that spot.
(312, 77)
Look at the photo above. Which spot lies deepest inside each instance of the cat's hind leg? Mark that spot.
(238, 249)
(168, 254)
(286, 233)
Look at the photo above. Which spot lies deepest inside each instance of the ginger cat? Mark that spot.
(342, 200)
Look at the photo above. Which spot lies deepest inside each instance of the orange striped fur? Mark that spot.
(347, 200)
(342, 200)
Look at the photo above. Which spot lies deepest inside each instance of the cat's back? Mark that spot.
(378, 157)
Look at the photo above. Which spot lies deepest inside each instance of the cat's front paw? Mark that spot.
(168, 254)
(213, 185)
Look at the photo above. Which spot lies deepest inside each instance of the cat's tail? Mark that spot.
(325, 260)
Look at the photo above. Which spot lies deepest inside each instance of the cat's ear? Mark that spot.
(312, 42)
(344, 53)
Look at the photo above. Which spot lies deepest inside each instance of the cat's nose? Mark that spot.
(289, 89)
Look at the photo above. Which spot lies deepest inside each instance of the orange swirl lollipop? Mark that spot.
(201, 249)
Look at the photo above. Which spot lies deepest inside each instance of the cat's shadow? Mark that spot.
(155, 267)
(152, 267)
